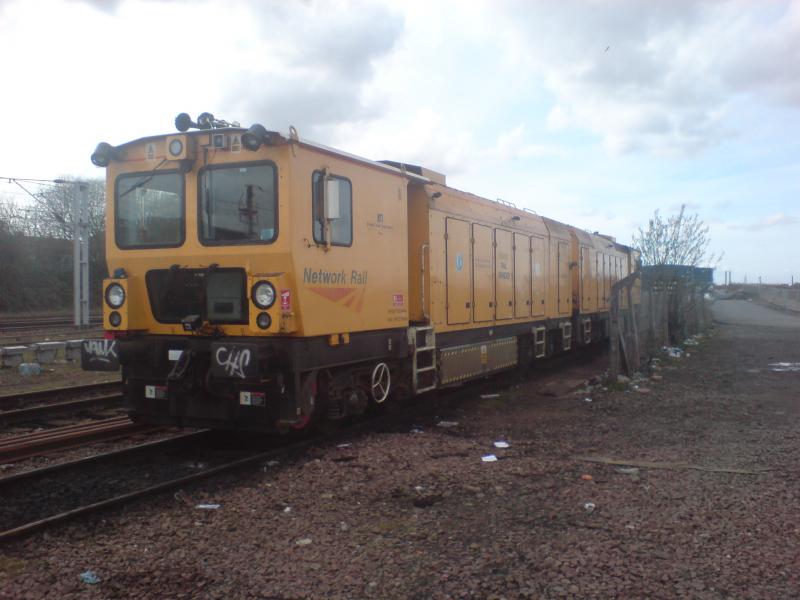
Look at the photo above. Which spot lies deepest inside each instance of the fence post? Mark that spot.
(634, 362)
(613, 336)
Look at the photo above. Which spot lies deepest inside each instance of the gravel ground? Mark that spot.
(706, 506)
(54, 375)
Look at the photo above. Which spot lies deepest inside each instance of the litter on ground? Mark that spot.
(489, 458)
(89, 577)
(673, 351)
(447, 424)
(785, 367)
(501, 444)
(487, 396)
(208, 506)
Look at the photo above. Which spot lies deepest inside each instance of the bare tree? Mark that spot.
(677, 240)
(49, 211)
(54, 205)
(34, 243)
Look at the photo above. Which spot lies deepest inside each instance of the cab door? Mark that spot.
(458, 273)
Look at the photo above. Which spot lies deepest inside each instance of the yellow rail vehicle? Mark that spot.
(260, 281)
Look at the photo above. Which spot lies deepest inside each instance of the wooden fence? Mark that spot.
(665, 312)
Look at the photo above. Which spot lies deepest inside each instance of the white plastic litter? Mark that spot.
(502, 444)
(672, 351)
(487, 396)
(489, 458)
(785, 367)
(587, 399)
(447, 424)
(628, 470)
(417, 430)
(303, 542)
(343, 445)
(288, 509)
(272, 463)
(589, 506)
(89, 577)
(208, 506)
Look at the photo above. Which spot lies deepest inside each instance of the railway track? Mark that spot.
(29, 406)
(41, 498)
(36, 443)
(30, 323)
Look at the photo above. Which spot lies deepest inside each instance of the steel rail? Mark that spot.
(454, 394)
(18, 399)
(34, 412)
(37, 443)
(186, 479)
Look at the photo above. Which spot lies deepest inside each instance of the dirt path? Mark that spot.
(711, 511)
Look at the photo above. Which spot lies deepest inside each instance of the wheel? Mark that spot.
(381, 383)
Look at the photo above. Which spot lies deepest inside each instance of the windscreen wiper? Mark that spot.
(144, 180)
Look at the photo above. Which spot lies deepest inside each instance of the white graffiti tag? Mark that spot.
(102, 350)
(234, 362)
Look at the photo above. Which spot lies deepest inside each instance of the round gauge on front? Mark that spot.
(175, 147)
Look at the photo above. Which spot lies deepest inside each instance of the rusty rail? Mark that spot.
(40, 442)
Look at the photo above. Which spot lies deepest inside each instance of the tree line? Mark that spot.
(36, 247)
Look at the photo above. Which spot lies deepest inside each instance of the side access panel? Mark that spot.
(461, 363)
(458, 271)
(483, 273)
(522, 276)
(564, 291)
(586, 280)
(538, 275)
(504, 277)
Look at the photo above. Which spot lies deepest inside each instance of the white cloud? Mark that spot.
(513, 145)
(656, 77)
(775, 220)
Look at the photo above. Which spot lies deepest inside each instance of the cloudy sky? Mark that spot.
(595, 113)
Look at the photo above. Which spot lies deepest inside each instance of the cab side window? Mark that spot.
(340, 208)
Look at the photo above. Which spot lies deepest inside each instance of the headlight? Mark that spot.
(263, 294)
(115, 295)
(263, 320)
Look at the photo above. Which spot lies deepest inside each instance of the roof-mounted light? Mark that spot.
(254, 137)
(104, 154)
